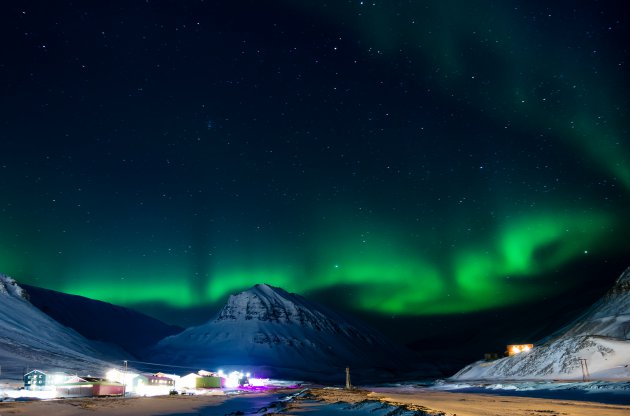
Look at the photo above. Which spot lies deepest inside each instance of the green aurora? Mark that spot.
(384, 274)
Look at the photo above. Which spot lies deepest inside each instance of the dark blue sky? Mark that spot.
(401, 160)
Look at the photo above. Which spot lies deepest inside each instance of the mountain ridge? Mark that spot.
(101, 321)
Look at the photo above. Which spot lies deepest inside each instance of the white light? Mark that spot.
(232, 379)
(57, 379)
(258, 382)
(114, 375)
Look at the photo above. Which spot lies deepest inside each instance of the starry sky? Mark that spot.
(403, 160)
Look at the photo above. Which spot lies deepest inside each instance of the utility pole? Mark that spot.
(584, 366)
(348, 384)
(125, 379)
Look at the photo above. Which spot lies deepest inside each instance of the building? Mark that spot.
(173, 377)
(40, 380)
(35, 380)
(208, 382)
(201, 380)
(89, 387)
(152, 385)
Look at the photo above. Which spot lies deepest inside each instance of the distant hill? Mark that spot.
(281, 334)
(601, 336)
(102, 321)
(31, 339)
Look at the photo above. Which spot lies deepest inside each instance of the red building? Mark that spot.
(89, 387)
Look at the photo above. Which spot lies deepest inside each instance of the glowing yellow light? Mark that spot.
(519, 348)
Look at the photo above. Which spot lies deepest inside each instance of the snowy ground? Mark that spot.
(600, 391)
(403, 400)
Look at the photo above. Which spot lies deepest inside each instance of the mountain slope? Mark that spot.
(601, 336)
(101, 321)
(283, 335)
(608, 317)
(30, 338)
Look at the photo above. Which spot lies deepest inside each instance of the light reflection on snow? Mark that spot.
(33, 394)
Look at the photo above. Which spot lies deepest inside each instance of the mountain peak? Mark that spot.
(266, 289)
(264, 302)
(263, 286)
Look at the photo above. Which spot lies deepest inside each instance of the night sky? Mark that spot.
(402, 160)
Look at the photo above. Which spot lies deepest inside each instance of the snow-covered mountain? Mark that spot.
(280, 334)
(101, 321)
(31, 339)
(601, 336)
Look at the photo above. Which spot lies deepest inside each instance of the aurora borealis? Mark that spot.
(399, 158)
